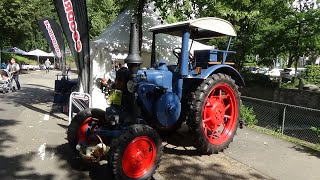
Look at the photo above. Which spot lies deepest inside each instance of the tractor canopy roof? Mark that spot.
(202, 28)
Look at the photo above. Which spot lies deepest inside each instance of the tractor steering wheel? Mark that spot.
(177, 52)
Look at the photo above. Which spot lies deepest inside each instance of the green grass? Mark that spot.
(287, 138)
(5, 57)
(289, 85)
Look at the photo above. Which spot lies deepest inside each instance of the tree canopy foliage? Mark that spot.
(266, 29)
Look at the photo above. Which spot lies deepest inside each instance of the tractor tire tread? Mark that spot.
(120, 143)
(198, 97)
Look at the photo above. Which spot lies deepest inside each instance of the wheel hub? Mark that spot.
(216, 113)
(139, 157)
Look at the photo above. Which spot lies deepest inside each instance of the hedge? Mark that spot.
(251, 79)
(312, 74)
(5, 57)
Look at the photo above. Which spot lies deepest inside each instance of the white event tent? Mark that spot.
(39, 53)
(113, 45)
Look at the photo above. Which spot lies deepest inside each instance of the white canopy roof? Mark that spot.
(205, 27)
(39, 53)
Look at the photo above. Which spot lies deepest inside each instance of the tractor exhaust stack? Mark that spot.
(133, 59)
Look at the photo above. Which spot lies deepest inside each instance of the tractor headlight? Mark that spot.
(131, 85)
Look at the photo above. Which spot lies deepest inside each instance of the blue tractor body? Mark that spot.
(201, 90)
(161, 88)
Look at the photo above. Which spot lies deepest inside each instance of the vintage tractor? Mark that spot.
(201, 90)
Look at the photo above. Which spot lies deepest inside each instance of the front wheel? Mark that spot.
(136, 153)
(215, 113)
(77, 128)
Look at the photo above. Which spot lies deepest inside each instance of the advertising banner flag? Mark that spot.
(74, 21)
(53, 35)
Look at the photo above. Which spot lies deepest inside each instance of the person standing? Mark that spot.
(14, 69)
(47, 63)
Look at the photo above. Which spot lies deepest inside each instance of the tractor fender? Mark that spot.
(224, 69)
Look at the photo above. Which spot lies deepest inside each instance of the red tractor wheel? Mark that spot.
(215, 113)
(77, 128)
(137, 153)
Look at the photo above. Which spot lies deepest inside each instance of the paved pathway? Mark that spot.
(33, 146)
(274, 157)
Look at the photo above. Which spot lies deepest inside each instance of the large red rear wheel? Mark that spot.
(215, 113)
(137, 153)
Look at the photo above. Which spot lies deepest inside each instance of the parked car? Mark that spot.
(273, 73)
(26, 67)
(287, 74)
(29, 67)
(36, 67)
(254, 70)
(262, 70)
(42, 67)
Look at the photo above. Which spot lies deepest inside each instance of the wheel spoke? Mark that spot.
(214, 129)
(221, 97)
(212, 134)
(205, 127)
(225, 96)
(206, 120)
(228, 117)
(211, 101)
(215, 134)
(220, 94)
(227, 107)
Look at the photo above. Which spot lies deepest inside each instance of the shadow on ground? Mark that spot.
(14, 166)
(185, 168)
(5, 137)
(182, 161)
(31, 96)
(76, 168)
(180, 143)
(306, 150)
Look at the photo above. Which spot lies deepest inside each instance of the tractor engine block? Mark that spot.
(155, 93)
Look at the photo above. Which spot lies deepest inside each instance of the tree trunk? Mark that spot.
(240, 58)
(291, 60)
(141, 4)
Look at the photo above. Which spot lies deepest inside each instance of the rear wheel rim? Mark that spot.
(220, 114)
(139, 157)
(82, 131)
